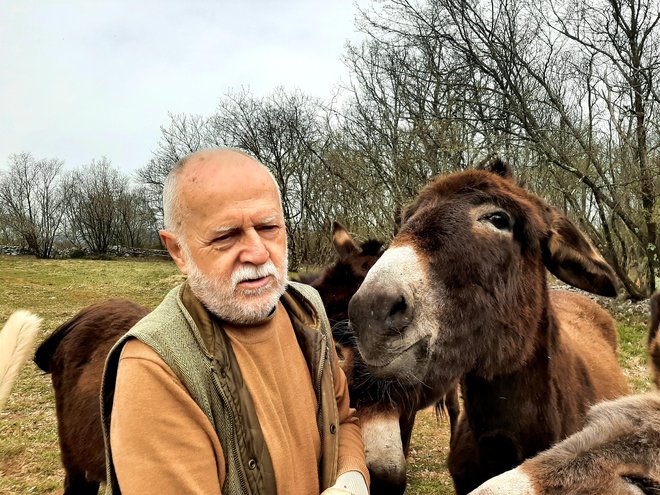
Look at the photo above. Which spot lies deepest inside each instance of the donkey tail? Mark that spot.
(16, 341)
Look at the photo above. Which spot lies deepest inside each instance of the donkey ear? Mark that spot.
(343, 242)
(498, 167)
(570, 257)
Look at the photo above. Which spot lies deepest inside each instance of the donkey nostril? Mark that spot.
(399, 306)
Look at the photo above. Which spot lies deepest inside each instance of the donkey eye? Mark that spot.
(498, 219)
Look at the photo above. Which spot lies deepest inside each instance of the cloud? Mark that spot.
(85, 79)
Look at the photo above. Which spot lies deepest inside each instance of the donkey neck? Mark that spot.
(525, 404)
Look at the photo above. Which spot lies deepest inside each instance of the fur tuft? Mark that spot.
(16, 342)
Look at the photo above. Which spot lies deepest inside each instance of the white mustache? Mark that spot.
(251, 272)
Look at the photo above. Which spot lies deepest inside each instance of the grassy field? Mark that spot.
(57, 289)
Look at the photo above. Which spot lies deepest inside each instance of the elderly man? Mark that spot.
(232, 384)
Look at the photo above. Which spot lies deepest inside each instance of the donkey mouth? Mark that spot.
(405, 359)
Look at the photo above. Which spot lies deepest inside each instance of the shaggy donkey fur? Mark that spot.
(616, 453)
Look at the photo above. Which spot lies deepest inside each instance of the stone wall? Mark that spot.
(115, 251)
(13, 251)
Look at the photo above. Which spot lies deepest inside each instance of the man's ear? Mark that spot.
(570, 257)
(173, 247)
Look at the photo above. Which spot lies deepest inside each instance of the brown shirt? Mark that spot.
(277, 377)
(163, 443)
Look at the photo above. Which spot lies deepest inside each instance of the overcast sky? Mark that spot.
(82, 79)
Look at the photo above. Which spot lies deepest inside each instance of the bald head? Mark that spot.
(216, 172)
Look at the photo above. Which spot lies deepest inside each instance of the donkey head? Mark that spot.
(342, 279)
(464, 283)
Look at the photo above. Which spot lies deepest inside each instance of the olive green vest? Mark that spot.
(207, 367)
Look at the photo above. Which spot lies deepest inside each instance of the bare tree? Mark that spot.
(7, 234)
(406, 117)
(558, 86)
(625, 36)
(138, 224)
(33, 199)
(94, 213)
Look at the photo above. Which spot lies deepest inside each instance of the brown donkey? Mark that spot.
(616, 453)
(74, 354)
(462, 294)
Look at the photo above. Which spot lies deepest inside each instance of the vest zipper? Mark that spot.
(319, 379)
(233, 449)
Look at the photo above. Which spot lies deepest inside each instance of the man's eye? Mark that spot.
(222, 238)
(498, 219)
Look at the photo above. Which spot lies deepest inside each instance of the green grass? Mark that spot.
(429, 447)
(633, 357)
(57, 289)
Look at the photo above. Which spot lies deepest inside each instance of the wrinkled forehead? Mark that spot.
(212, 186)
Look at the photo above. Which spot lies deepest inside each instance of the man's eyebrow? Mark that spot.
(224, 230)
(266, 220)
(231, 228)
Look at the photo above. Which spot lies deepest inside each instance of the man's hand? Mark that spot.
(349, 483)
(336, 491)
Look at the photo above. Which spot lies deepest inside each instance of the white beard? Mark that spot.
(244, 307)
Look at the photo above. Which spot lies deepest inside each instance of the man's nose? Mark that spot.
(254, 250)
